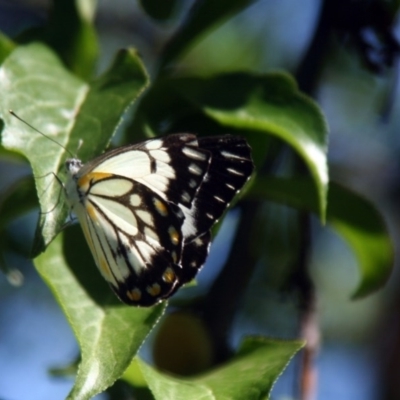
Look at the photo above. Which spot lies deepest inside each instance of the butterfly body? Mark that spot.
(147, 209)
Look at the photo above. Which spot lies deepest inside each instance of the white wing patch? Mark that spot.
(158, 183)
(117, 214)
(122, 164)
(154, 144)
(193, 153)
(112, 187)
(160, 155)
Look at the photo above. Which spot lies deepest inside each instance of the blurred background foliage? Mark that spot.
(344, 54)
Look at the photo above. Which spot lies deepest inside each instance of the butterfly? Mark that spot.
(147, 209)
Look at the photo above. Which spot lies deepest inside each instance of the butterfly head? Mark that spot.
(73, 165)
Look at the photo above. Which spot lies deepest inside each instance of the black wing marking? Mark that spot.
(230, 168)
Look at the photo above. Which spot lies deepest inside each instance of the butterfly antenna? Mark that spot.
(43, 134)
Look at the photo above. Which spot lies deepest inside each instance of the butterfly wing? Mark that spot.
(230, 168)
(147, 209)
(139, 260)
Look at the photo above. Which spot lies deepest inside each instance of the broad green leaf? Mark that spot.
(81, 117)
(250, 374)
(352, 216)
(269, 105)
(109, 333)
(204, 15)
(38, 88)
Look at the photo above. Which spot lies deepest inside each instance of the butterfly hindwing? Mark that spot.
(230, 168)
(136, 238)
(147, 209)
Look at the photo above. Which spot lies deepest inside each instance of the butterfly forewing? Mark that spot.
(147, 209)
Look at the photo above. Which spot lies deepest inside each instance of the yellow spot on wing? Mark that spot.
(85, 180)
(174, 235)
(91, 211)
(134, 294)
(169, 275)
(154, 290)
(105, 269)
(160, 207)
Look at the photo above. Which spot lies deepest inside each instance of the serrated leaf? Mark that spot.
(352, 216)
(109, 333)
(77, 115)
(204, 15)
(250, 374)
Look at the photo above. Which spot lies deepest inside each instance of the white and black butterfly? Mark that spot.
(147, 209)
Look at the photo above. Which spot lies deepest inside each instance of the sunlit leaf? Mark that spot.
(78, 116)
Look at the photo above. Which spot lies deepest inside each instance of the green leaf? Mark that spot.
(71, 33)
(360, 223)
(38, 88)
(109, 333)
(352, 216)
(79, 116)
(6, 47)
(258, 364)
(269, 105)
(204, 15)
(133, 374)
